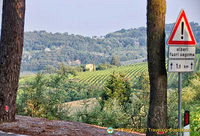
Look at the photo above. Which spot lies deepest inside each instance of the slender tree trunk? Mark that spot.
(157, 117)
(11, 47)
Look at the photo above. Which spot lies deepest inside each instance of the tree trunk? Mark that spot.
(157, 117)
(11, 47)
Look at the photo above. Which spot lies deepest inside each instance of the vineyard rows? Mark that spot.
(98, 78)
(132, 72)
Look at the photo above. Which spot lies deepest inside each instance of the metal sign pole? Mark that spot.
(179, 102)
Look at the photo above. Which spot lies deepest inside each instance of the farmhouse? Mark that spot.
(90, 67)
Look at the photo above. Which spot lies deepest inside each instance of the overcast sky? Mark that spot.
(98, 17)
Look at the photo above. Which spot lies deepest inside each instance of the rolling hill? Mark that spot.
(43, 49)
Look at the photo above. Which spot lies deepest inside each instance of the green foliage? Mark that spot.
(76, 91)
(172, 105)
(198, 49)
(142, 82)
(103, 66)
(190, 101)
(115, 61)
(117, 107)
(84, 115)
(111, 113)
(112, 107)
(63, 70)
(112, 110)
(195, 123)
(117, 88)
(42, 98)
(115, 115)
(191, 93)
(44, 95)
(141, 101)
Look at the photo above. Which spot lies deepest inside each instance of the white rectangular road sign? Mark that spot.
(182, 52)
(181, 65)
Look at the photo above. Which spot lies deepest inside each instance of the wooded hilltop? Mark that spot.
(42, 48)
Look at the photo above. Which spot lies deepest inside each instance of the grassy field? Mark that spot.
(80, 105)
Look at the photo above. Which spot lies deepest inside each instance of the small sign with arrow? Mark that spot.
(181, 65)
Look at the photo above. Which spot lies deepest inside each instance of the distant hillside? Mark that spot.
(42, 48)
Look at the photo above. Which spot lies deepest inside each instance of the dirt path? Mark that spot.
(43, 127)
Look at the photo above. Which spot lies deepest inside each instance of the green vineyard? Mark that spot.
(98, 78)
(132, 72)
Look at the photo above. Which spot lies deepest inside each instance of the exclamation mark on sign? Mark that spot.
(182, 28)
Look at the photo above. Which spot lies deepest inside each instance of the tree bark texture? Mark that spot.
(11, 46)
(157, 117)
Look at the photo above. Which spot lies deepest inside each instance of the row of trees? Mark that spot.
(73, 70)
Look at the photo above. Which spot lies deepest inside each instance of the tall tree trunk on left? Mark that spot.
(11, 46)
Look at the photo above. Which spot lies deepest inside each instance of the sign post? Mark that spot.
(181, 54)
(179, 100)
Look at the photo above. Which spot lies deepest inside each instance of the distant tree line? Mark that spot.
(42, 48)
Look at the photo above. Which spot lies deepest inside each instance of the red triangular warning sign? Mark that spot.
(182, 32)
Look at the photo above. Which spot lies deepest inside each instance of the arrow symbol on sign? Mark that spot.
(176, 65)
(191, 65)
(171, 65)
